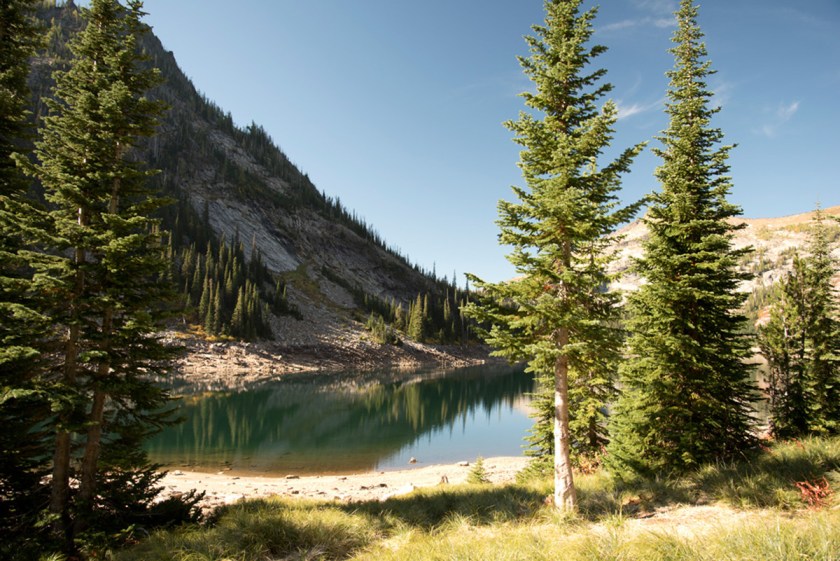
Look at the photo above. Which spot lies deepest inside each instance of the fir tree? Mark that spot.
(824, 332)
(23, 327)
(417, 321)
(557, 315)
(110, 278)
(399, 317)
(686, 384)
(801, 342)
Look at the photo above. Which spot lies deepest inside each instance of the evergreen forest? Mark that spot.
(132, 206)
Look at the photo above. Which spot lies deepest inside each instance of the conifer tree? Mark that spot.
(824, 331)
(801, 342)
(110, 278)
(557, 315)
(417, 320)
(399, 317)
(18, 37)
(23, 328)
(686, 384)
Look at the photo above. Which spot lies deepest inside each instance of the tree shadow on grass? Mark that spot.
(481, 504)
(765, 480)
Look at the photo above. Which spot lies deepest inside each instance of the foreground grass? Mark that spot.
(815, 537)
(744, 511)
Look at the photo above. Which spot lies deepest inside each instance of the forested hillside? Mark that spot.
(258, 251)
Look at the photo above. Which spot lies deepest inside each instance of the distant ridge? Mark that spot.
(774, 241)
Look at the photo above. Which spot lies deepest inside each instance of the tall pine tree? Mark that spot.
(557, 315)
(824, 326)
(23, 328)
(108, 283)
(686, 383)
(801, 342)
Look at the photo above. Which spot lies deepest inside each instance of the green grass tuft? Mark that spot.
(266, 529)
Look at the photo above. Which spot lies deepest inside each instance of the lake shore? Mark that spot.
(224, 488)
(218, 365)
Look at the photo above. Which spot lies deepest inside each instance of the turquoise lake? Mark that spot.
(340, 423)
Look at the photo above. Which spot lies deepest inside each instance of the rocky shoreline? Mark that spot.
(222, 488)
(210, 364)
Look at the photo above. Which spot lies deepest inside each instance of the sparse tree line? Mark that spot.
(662, 382)
(226, 295)
(433, 316)
(437, 319)
(220, 291)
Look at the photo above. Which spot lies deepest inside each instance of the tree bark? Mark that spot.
(87, 480)
(565, 497)
(93, 444)
(60, 483)
(60, 490)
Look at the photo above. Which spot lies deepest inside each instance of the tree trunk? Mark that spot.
(93, 444)
(87, 483)
(60, 490)
(565, 497)
(60, 483)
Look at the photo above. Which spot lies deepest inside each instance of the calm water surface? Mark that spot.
(346, 424)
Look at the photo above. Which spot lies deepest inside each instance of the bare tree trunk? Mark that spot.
(60, 490)
(60, 483)
(93, 444)
(87, 483)
(565, 497)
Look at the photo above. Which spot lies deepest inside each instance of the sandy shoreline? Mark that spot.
(225, 488)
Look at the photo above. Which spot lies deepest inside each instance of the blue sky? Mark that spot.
(397, 107)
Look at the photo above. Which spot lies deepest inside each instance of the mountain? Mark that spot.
(774, 242)
(234, 187)
(237, 193)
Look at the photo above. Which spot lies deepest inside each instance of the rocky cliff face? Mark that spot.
(235, 183)
(243, 185)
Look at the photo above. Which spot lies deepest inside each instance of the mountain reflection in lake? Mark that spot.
(345, 424)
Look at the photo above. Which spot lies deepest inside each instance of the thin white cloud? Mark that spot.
(786, 112)
(657, 6)
(783, 113)
(661, 23)
(654, 13)
(623, 24)
(721, 93)
(626, 111)
(769, 131)
(637, 83)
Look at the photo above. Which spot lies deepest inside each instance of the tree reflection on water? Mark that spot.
(318, 423)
